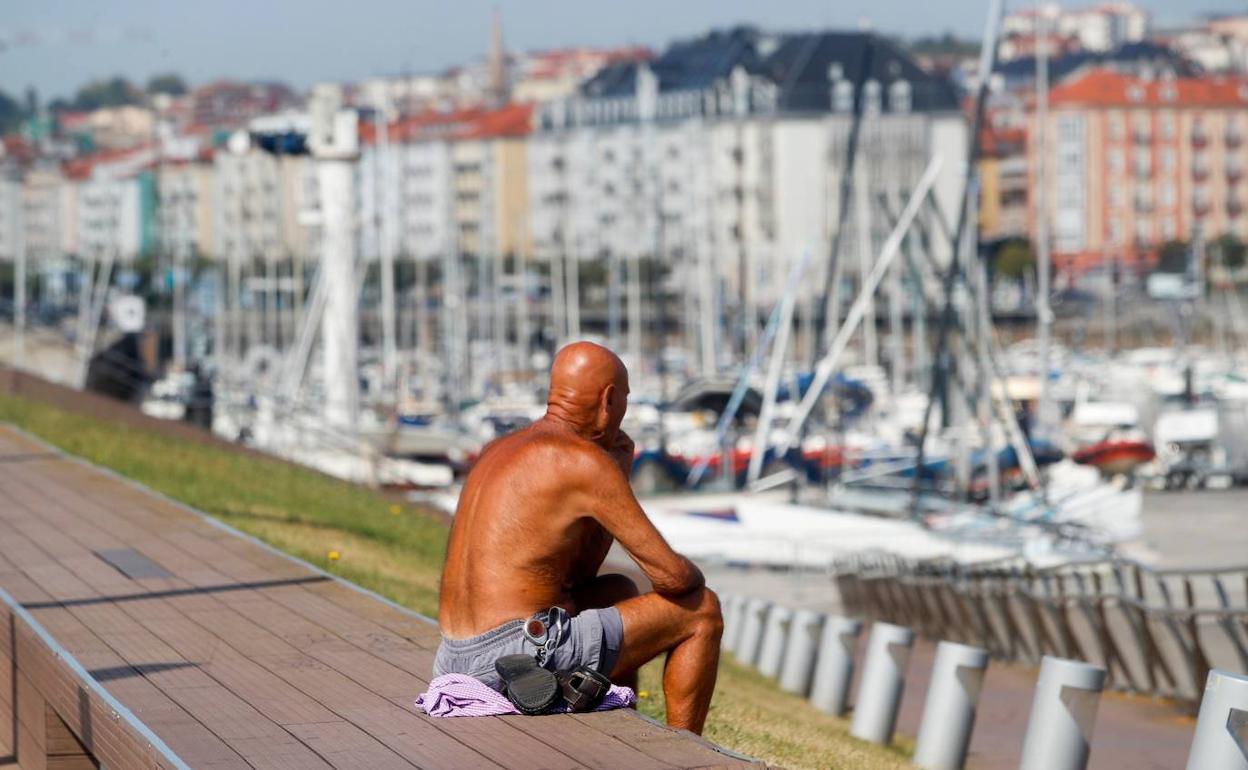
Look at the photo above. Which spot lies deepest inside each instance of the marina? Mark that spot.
(897, 414)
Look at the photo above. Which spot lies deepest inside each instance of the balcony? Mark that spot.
(1142, 136)
(1200, 173)
(1200, 139)
(1201, 209)
(1143, 205)
(1234, 207)
(1234, 139)
(1234, 174)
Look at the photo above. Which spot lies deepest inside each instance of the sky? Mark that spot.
(56, 45)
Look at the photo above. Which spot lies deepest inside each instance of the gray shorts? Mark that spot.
(593, 640)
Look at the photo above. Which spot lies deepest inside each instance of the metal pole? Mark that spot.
(1063, 711)
(949, 710)
(775, 641)
(835, 667)
(883, 677)
(734, 606)
(1044, 316)
(19, 286)
(799, 655)
(1221, 737)
(748, 643)
(862, 215)
(858, 309)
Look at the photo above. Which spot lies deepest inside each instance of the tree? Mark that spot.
(1014, 259)
(110, 92)
(1172, 257)
(10, 113)
(168, 83)
(1233, 250)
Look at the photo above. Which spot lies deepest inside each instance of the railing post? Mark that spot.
(799, 656)
(883, 677)
(775, 641)
(752, 617)
(835, 668)
(1221, 737)
(733, 605)
(949, 710)
(1063, 712)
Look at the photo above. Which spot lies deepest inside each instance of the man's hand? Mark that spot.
(621, 451)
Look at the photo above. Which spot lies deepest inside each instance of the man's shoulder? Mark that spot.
(556, 448)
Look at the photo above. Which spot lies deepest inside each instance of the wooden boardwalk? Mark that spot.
(137, 633)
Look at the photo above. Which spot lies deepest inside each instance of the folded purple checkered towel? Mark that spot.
(457, 695)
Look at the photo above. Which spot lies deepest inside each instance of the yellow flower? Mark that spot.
(395, 509)
(643, 694)
(333, 555)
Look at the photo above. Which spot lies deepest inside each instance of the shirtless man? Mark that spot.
(537, 515)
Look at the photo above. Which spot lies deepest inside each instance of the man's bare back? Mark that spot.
(520, 541)
(537, 515)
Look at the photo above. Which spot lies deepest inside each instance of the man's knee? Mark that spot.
(604, 591)
(619, 587)
(710, 616)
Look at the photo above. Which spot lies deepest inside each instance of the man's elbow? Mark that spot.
(687, 579)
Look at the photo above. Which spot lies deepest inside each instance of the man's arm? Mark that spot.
(611, 503)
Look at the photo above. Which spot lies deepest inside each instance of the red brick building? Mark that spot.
(1132, 163)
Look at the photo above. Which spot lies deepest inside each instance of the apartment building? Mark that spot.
(184, 205)
(1133, 163)
(723, 156)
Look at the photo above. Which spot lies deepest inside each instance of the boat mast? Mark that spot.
(1044, 316)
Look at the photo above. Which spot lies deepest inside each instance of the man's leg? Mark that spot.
(602, 592)
(687, 628)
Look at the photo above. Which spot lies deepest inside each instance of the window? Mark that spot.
(1167, 159)
(1116, 231)
(1143, 231)
(1115, 125)
(1116, 196)
(1116, 162)
(1167, 229)
(899, 96)
(871, 97)
(1167, 195)
(1167, 125)
(843, 96)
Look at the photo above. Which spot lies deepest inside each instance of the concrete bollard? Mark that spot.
(834, 669)
(775, 641)
(751, 635)
(1063, 711)
(732, 605)
(949, 710)
(1221, 738)
(799, 656)
(883, 677)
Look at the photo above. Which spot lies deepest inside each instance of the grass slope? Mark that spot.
(397, 551)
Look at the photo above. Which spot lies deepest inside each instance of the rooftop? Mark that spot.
(1104, 88)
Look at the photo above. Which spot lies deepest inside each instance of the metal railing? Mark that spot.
(1154, 631)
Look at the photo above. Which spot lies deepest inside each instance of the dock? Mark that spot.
(136, 632)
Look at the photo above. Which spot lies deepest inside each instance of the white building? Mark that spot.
(743, 157)
(1102, 27)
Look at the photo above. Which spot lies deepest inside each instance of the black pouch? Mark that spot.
(583, 688)
(530, 688)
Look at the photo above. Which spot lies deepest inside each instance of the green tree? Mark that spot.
(109, 92)
(11, 113)
(1014, 259)
(1172, 257)
(1233, 250)
(168, 83)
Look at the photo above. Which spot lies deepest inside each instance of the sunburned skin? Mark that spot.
(536, 517)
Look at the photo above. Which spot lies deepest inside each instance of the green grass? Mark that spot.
(397, 551)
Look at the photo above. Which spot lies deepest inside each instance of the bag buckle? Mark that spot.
(546, 633)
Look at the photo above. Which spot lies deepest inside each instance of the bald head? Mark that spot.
(588, 390)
